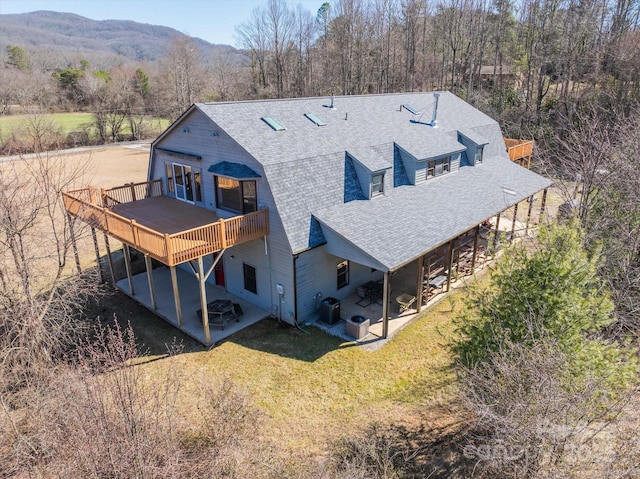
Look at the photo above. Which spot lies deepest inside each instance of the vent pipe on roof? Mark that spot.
(331, 105)
(434, 117)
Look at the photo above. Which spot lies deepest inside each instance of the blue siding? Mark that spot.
(352, 190)
(316, 237)
(400, 177)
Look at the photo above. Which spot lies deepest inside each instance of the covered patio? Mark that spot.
(415, 285)
(189, 298)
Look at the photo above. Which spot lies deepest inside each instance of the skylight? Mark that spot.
(273, 123)
(411, 109)
(315, 119)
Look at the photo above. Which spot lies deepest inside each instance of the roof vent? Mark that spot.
(434, 117)
(331, 106)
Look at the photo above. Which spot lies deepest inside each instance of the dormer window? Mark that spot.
(377, 184)
(478, 158)
(438, 167)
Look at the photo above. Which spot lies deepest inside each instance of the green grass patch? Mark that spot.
(66, 123)
(312, 387)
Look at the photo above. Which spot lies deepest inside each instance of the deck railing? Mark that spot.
(519, 150)
(92, 206)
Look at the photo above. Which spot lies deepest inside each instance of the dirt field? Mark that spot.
(115, 165)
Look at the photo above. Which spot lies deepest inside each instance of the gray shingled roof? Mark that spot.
(398, 228)
(305, 164)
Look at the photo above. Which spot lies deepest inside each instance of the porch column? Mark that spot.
(544, 203)
(152, 291)
(386, 293)
(513, 223)
(420, 282)
(203, 300)
(73, 244)
(97, 250)
(475, 249)
(109, 258)
(526, 228)
(496, 236)
(127, 265)
(450, 261)
(176, 294)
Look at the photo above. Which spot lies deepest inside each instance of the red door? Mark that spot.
(218, 271)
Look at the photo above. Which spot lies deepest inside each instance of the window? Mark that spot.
(438, 167)
(343, 274)
(478, 159)
(250, 282)
(273, 123)
(315, 119)
(411, 109)
(183, 181)
(169, 171)
(431, 169)
(377, 184)
(446, 165)
(235, 195)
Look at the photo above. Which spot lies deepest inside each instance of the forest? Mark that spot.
(534, 367)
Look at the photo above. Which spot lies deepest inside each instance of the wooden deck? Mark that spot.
(165, 214)
(168, 230)
(520, 151)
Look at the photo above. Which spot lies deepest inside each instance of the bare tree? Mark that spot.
(40, 297)
(183, 64)
(529, 422)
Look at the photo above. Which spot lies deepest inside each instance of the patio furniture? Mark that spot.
(437, 282)
(357, 326)
(369, 292)
(220, 312)
(404, 302)
(364, 295)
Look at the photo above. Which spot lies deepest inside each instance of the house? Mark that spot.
(285, 203)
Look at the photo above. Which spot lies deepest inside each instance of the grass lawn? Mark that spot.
(67, 123)
(312, 388)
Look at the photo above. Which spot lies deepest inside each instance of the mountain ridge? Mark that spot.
(46, 29)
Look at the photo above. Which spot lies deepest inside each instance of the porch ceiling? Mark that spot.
(166, 215)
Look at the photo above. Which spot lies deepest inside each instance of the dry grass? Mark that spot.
(310, 388)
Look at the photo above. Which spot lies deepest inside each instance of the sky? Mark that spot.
(211, 20)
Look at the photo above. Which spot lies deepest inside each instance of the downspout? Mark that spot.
(295, 294)
(295, 289)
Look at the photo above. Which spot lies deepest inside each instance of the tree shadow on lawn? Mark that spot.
(155, 337)
(279, 338)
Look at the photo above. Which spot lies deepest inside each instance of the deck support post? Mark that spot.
(202, 278)
(127, 264)
(496, 236)
(513, 223)
(475, 249)
(74, 245)
(450, 261)
(152, 291)
(176, 294)
(420, 283)
(543, 205)
(526, 227)
(97, 250)
(109, 258)
(386, 293)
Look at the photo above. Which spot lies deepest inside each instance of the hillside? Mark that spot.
(56, 31)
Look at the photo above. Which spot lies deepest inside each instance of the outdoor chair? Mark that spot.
(364, 296)
(405, 301)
